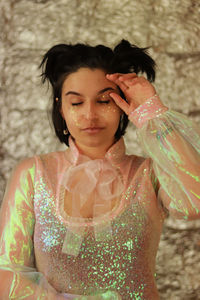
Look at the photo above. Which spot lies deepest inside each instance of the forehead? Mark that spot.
(87, 79)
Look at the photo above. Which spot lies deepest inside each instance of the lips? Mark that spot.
(93, 129)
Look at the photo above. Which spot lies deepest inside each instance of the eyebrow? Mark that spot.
(100, 92)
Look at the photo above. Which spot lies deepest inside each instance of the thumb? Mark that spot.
(120, 102)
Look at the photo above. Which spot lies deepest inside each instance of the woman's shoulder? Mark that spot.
(24, 164)
(37, 160)
(51, 157)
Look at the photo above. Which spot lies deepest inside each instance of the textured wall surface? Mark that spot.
(170, 27)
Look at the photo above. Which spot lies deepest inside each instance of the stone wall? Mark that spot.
(170, 27)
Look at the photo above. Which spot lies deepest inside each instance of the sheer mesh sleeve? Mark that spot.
(18, 276)
(173, 143)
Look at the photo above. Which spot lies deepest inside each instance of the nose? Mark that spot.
(90, 111)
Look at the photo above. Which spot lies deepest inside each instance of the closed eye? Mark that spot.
(100, 101)
(105, 101)
(77, 103)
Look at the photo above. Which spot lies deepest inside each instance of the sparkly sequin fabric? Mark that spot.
(47, 254)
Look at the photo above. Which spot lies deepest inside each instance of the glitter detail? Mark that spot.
(44, 206)
(111, 265)
(101, 264)
(152, 108)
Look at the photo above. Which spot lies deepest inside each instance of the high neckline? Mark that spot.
(115, 153)
(98, 179)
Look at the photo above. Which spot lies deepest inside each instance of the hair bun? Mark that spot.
(122, 47)
(134, 59)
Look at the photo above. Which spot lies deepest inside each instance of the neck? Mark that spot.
(93, 152)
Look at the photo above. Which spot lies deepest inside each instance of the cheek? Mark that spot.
(110, 111)
(74, 115)
(103, 112)
(107, 113)
(111, 116)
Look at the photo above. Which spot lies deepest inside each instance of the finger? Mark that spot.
(120, 102)
(124, 77)
(115, 78)
(121, 77)
(132, 81)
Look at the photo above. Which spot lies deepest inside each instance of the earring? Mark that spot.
(65, 131)
(57, 99)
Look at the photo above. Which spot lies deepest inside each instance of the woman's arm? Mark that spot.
(170, 139)
(18, 275)
(173, 143)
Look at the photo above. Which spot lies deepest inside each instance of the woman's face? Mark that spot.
(92, 117)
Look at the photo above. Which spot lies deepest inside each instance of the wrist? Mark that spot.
(151, 108)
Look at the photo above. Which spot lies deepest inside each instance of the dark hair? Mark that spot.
(64, 59)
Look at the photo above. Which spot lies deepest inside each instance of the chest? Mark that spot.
(87, 207)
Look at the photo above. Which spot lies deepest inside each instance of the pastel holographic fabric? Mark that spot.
(47, 253)
(152, 108)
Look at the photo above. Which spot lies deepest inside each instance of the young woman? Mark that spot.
(85, 223)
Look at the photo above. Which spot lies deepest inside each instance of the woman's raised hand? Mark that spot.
(136, 89)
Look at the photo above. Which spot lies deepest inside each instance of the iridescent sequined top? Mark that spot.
(47, 254)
